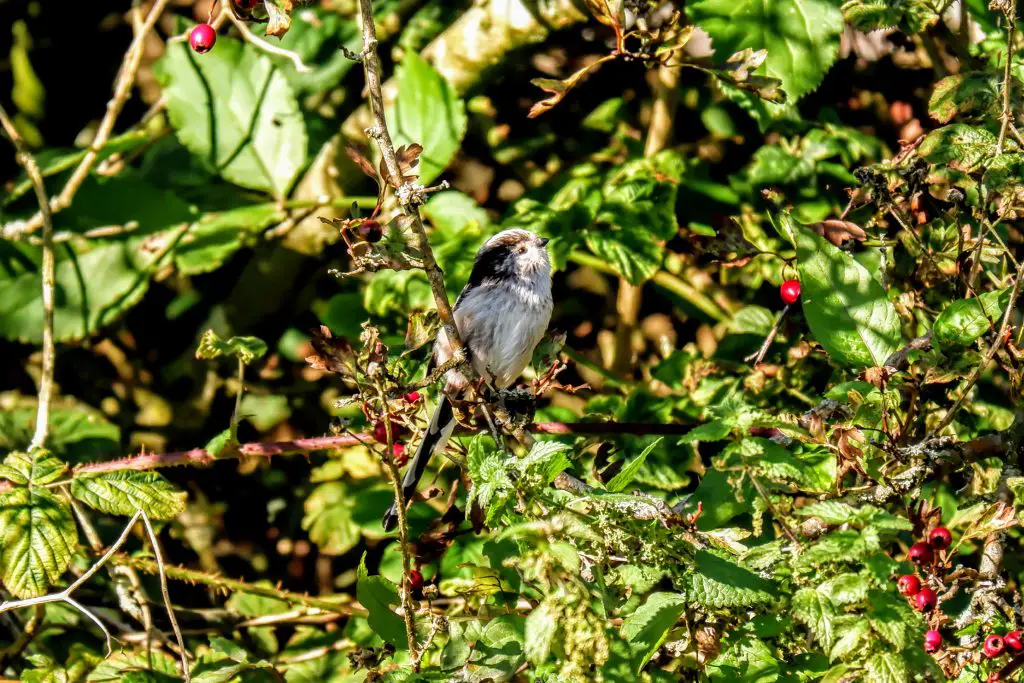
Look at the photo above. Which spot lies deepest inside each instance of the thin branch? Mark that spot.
(996, 345)
(122, 89)
(155, 543)
(269, 48)
(28, 162)
(1007, 113)
(371, 68)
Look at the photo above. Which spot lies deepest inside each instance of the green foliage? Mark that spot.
(37, 538)
(124, 492)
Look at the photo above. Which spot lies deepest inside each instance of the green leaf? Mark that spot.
(35, 468)
(801, 36)
(964, 320)
(973, 92)
(541, 626)
(846, 589)
(846, 308)
(625, 476)
(961, 146)
(125, 491)
(160, 667)
(234, 109)
(492, 488)
(377, 594)
(630, 252)
(718, 582)
(646, 628)
(547, 458)
(328, 518)
(246, 349)
(37, 538)
(852, 637)
(429, 112)
(746, 660)
(814, 610)
(887, 667)
(94, 286)
(210, 241)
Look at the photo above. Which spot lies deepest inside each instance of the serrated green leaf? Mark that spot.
(234, 109)
(964, 320)
(37, 538)
(429, 112)
(816, 612)
(328, 518)
(852, 636)
(846, 589)
(246, 349)
(646, 628)
(377, 594)
(625, 476)
(893, 619)
(159, 666)
(209, 241)
(35, 468)
(124, 492)
(546, 458)
(845, 307)
(887, 667)
(962, 146)
(963, 94)
(717, 582)
(748, 660)
(801, 36)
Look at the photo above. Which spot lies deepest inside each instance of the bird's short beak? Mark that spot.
(544, 241)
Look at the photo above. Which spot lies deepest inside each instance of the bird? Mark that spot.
(501, 315)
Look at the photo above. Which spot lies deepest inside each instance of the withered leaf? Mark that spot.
(408, 157)
(359, 155)
(279, 15)
(330, 352)
(838, 232)
(559, 89)
(603, 13)
(422, 328)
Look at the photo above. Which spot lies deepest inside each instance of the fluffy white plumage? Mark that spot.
(501, 314)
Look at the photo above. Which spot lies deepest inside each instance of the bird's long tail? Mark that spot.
(441, 426)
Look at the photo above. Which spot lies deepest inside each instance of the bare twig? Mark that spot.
(122, 89)
(28, 162)
(155, 543)
(269, 48)
(1011, 35)
(371, 68)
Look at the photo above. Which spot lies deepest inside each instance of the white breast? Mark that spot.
(502, 325)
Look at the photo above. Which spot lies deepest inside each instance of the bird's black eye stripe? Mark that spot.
(495, 262)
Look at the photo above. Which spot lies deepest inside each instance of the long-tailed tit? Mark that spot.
(501, 315)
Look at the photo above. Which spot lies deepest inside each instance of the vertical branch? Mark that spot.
(238, 395)
(409, 200)
(28, 162)
(659, 133)
(1011, 36)
(166, 593)
(403, 532)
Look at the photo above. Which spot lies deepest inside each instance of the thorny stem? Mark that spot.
(1011, 35)
(122, 88)
(226, 584)
(371, 68)
(996, 345)
(200, 457)
(28, 162)
(403, 532)
(264, 46)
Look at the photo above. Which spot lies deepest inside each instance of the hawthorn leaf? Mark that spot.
(377, 594)
(964, 320)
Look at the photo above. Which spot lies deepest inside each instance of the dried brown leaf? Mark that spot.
(359, 155)
(560, 88)
(330, 352)
(838, 231)
(279, 15)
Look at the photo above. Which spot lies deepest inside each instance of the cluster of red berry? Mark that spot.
(924, 598)
(380, 433)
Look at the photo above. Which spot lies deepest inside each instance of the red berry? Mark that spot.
(412, 396)
(921, 553)
(246, 5)
(398, 451)
(202, 38)
(371, 231)
(909, 585)
(1013, 641)
(994, 646)
(790, 291)
(932, 641)
(925, 600)
(940, 538)
(380, 432)
(416, 580)
(994, 677)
